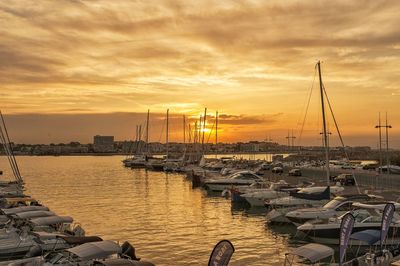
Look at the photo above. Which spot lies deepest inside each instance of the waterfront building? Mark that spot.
(103, 143)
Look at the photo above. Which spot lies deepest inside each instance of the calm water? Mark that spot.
(167, 221)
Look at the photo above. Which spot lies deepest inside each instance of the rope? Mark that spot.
(308, 104)
(340, 136)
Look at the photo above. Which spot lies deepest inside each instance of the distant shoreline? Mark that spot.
(126, 154)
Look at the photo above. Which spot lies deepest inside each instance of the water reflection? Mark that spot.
(167, 220)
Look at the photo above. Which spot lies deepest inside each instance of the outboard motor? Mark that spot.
(78, 231)
(129, 251)
(34, 251)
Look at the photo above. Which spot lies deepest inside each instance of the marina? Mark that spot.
(191, 133)
(118, 203)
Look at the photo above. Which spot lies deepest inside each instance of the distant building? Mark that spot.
(103, 143)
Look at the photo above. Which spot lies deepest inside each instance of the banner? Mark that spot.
(386, 220)
(346, 227)
(221, 254)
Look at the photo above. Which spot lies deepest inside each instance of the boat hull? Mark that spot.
(330, 235)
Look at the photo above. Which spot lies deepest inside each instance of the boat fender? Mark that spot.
(129, 251)
(34, 251)
(226, 193)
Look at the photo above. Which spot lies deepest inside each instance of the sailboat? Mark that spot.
(140, 158)
(304, 199)
(157, 164)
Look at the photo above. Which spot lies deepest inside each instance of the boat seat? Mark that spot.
(78, 240)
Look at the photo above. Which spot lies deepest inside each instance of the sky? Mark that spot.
(70, 69)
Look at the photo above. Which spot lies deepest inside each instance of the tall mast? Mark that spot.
(293, 137)
(190, 134)
(147, 126)
(387, 144)
(166, 135)
(140, 139)
(204, 127)
(199, 131)
(324, 124)
(216, 131)
(379, 126)
(184, 129)
(147, 130)
(288, 139)
(137, 139)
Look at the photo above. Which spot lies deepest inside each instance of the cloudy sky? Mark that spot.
(70, 69)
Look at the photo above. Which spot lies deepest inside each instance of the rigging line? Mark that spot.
(162, 129)
(308, 105)
(304, 103)
(3, 142)
(334, 120)
(340, 135)
(8, 154)
(130, 150)
(10, 147)
(209, 135)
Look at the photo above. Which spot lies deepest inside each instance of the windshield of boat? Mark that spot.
(332, 204)
(245, 176)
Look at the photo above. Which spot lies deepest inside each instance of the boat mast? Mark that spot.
(387, 144)
(147, 130)
(166, 135)
(216, 133)
(204, 129)
(184, 129)
(324, 124)
(379, 126)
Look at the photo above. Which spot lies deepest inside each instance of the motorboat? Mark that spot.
(304, 198)
(138, 161)
(91, 253)
(17, 243)
(367, 217)
(334, 208)
(275, 190)
(155, 164)
(237, 193)
(309, 254)
(242, 178)
(172, 165)
(10, 202)
(391, 169)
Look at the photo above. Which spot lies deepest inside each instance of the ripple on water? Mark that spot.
(160, 214)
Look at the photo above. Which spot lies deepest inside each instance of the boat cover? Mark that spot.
(369, 236)
(122, 262)
(52, 220)
(95, 250)
(23, 209)
(324, 195)
(79, 240)
(376, 206)
(46, 235)
(313, 252)
(34, 214)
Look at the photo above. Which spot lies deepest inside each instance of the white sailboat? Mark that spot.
(280, 207)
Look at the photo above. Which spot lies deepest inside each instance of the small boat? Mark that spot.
(309, 254)
(334, 208)
(304, 198)
(17, 244)
(391, 169)
(156, 164)
(242, 178)
(275, 190)
(367, 217)
(97, 253)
